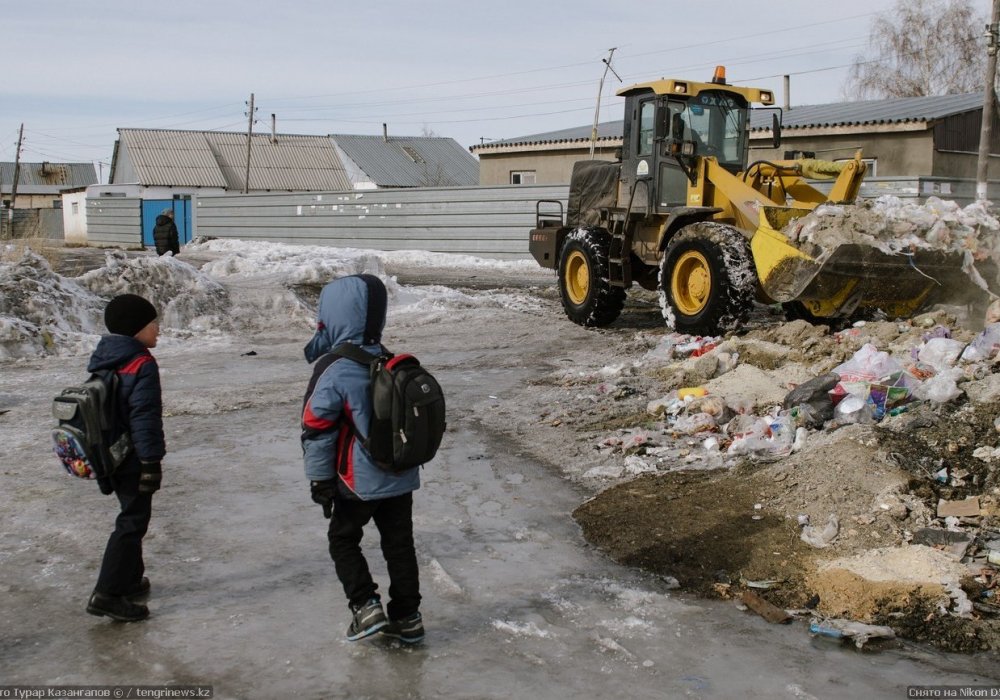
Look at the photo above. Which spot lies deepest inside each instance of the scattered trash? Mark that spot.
(764, 585)
(859, 632)
(968, 507)
(770, 612)
(961, 605)
(820, 538)
(691, 392)
(954, 543)
(984, 346)
(854, 409)
(942, 387)
(941, 353)
(815, 394)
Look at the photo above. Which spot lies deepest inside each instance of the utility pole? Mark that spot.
(600, 91)
(989, 104)
(17, 175)
(246, 185)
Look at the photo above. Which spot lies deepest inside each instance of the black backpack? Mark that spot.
(85, 421)
(408, 411)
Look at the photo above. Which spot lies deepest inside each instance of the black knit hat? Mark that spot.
(127, 314)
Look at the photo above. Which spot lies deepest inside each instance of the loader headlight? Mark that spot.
(681, 88)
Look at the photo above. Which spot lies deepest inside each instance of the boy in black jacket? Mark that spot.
(134, 329)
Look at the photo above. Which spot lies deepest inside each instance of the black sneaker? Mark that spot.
(368, 619)
(116, 607)
(409, 630)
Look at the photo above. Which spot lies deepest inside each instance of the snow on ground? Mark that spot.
(515, 603)
(44, 313)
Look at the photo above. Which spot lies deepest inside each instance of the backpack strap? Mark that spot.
(353, 352)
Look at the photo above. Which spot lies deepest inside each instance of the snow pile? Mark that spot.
(185, 297)
(308, 262)
(41, 311)
(292, 264)
(896, 226)
(250, 287)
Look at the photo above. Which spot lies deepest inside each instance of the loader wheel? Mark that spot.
(707, 279)
(584, 285)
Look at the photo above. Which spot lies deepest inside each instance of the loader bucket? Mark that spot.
(835, 282)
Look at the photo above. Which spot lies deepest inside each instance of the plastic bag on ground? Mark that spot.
(854, 409)
(821, 537)
(941, 387)
(867, 365)
(984, 346)
(941, 353)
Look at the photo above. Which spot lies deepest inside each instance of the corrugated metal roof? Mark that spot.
(48, 177)
(605, 130)
(411, 161)
(894, 111)
(218, 159)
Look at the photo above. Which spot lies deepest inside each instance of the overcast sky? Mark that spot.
(76, 71)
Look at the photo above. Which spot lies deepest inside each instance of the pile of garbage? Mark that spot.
(891, 389)
(868, 387)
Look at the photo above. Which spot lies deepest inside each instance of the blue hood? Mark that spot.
(351, 310)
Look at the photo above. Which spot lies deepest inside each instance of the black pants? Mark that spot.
(122, 568)
(394, 520)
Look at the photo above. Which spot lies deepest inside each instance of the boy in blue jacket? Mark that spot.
(131, 321)
(343, 477)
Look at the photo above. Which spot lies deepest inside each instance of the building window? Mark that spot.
(75, 208)
(522, 177)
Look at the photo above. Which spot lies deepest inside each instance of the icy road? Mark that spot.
(244, 595)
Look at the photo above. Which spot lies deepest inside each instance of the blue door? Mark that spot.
(151, 208)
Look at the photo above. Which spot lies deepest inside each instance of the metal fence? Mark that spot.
(114, 221)
(484, 221)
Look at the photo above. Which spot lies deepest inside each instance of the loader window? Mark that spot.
(716, 122)
(647, 110)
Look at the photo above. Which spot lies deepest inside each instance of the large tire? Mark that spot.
(707, 279)
(585, 288)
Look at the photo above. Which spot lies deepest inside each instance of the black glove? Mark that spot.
(322, 493)
(150, 475)
(104, 484)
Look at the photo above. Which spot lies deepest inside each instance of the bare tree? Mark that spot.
(921, 47)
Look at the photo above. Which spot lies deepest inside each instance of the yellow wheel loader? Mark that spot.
(683, 212)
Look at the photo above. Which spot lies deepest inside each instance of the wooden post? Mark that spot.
(13, 187)
(989, 106)
(246, 182)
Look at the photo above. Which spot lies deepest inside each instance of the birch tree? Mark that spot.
(919, 48)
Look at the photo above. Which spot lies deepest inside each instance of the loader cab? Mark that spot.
(666, 133)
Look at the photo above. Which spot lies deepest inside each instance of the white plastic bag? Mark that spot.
(941, 353)
(867, 365)
(942, 387)
(984, 346)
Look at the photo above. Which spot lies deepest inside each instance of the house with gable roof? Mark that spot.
(157, 169)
